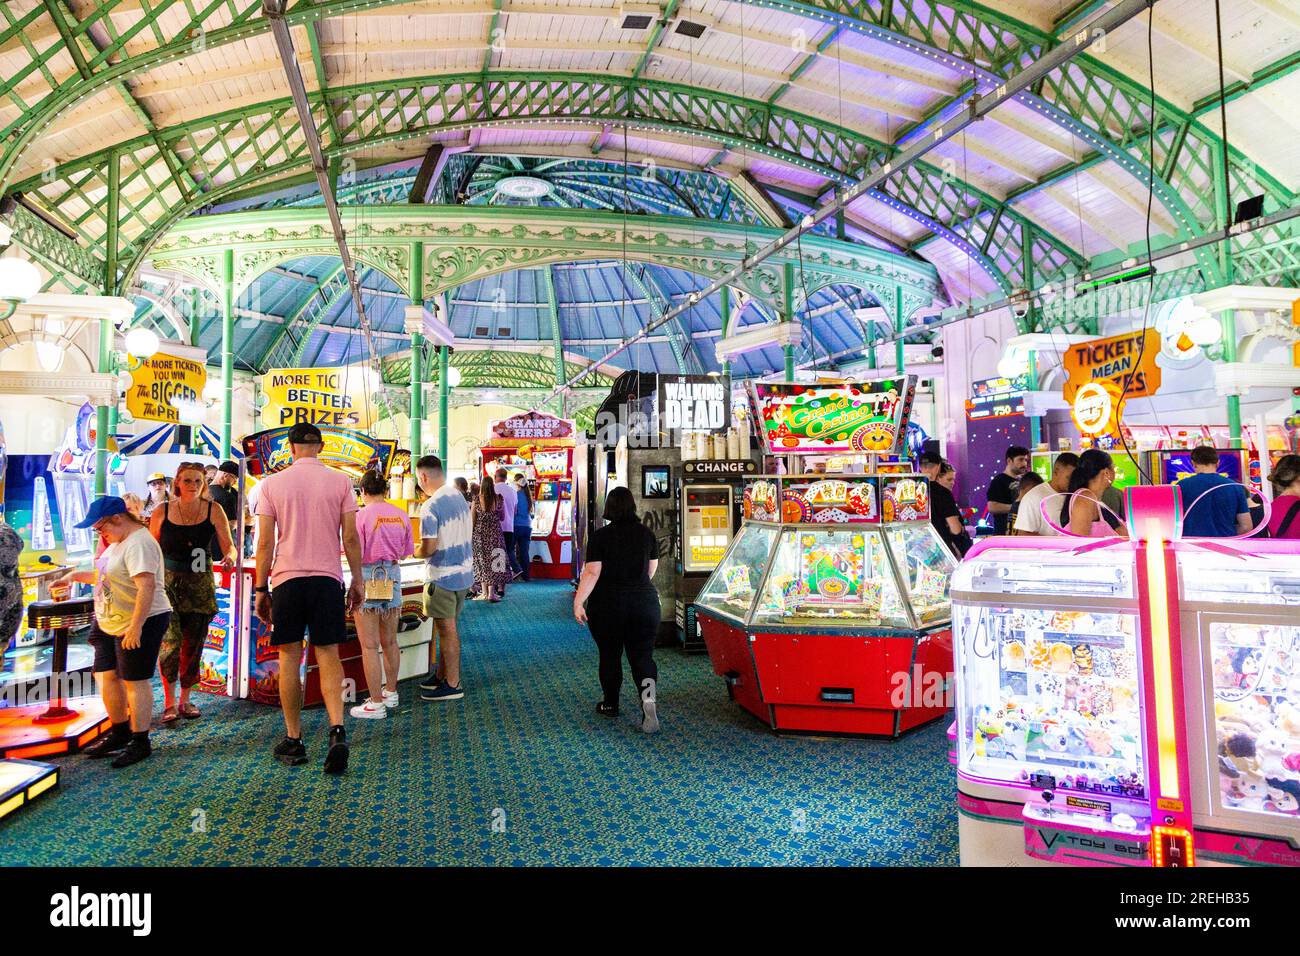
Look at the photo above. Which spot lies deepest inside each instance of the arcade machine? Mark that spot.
(829, 612)
(1129, 702)
(72, 467)
(542, 447)
(238, 658)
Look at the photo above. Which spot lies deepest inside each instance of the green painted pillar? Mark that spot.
(444, 356)
(900, 354)
(417, 355)
(103, 423)
(787, 315)
(227, 348)
(1035, 421)
(417, 395)
(196, 325)
(1229, 321)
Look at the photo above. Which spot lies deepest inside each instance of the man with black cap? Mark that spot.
(303, 514)
(225, 493)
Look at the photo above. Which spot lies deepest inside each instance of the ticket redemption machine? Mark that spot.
(1129, 702)
(542, 447)
(830, 612)
(238, 659)
(709, 498)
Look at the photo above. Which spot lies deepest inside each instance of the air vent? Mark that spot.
(689, 28)
(637, 21)
(482, 330)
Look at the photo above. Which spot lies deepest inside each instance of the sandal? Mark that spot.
(170, 716)
(189, 711)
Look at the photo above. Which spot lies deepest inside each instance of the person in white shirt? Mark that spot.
(510, 497)
(131, 617)
(1029, 516)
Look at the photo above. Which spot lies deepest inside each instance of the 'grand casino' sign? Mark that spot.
(835, 418)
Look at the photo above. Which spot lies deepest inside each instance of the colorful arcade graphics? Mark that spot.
(823, 619)
(72, 467)
(1147, 686)
(351, 452)
(824, 419)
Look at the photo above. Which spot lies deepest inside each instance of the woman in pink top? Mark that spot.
(1284, 518)
(385, 533)
(1082, 511)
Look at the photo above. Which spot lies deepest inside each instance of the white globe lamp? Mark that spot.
(141, 342)
(19, 279)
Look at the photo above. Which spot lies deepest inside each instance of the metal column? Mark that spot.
(227, 348)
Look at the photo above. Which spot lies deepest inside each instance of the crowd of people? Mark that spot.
(1080, 497)
(155, 595)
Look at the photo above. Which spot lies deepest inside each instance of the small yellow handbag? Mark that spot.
(380, 588)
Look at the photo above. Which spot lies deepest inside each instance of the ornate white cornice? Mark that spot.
(52, 305)
(96, 387)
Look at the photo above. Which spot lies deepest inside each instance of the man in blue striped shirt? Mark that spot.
(446, 544)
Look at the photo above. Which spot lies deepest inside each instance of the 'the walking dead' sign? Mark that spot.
(694, 403)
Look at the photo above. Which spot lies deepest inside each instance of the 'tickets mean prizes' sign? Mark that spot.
(694, 403)
(824, 419)
(162, 384)
(1126, 361)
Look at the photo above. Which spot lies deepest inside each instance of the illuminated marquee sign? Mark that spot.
(997, 397)
(349, 451)
(827, 419)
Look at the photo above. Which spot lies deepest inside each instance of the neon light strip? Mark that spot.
(40, 786)
(1162, 667)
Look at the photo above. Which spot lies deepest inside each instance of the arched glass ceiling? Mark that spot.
(599, 304)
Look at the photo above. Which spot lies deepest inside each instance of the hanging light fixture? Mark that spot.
(141, 342)
(19, 281)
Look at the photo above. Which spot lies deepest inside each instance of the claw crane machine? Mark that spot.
(829, 612)
(1129, 701)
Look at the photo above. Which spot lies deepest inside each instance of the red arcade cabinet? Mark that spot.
(540, 446)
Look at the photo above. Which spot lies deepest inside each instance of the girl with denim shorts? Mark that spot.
(386, 538)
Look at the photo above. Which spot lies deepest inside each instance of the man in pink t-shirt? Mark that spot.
(303, 514)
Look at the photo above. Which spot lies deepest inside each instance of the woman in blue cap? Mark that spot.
(131, 617)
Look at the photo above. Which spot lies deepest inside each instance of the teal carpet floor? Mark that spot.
(521, 772)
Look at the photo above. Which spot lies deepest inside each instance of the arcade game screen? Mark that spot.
(1053, 688)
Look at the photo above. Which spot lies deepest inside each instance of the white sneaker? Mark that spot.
(369, 711)
(390, 699)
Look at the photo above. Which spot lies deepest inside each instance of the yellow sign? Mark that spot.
(317, 396)
(1127, 361)
(162, 384)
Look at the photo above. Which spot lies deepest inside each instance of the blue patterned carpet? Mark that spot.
(521, 772)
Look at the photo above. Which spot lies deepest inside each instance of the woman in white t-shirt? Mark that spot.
(131, 618)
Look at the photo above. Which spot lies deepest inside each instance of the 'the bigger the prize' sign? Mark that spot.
(316, 396)
(694, 403)
(162, 384)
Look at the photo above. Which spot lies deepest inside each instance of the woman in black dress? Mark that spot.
(617, 601)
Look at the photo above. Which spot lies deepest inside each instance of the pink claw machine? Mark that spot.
(1129, 702)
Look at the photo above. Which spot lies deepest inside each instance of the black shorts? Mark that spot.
(135, 664)
(309, 607)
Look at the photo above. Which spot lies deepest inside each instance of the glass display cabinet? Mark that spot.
(829, 612)
(1129, 702)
